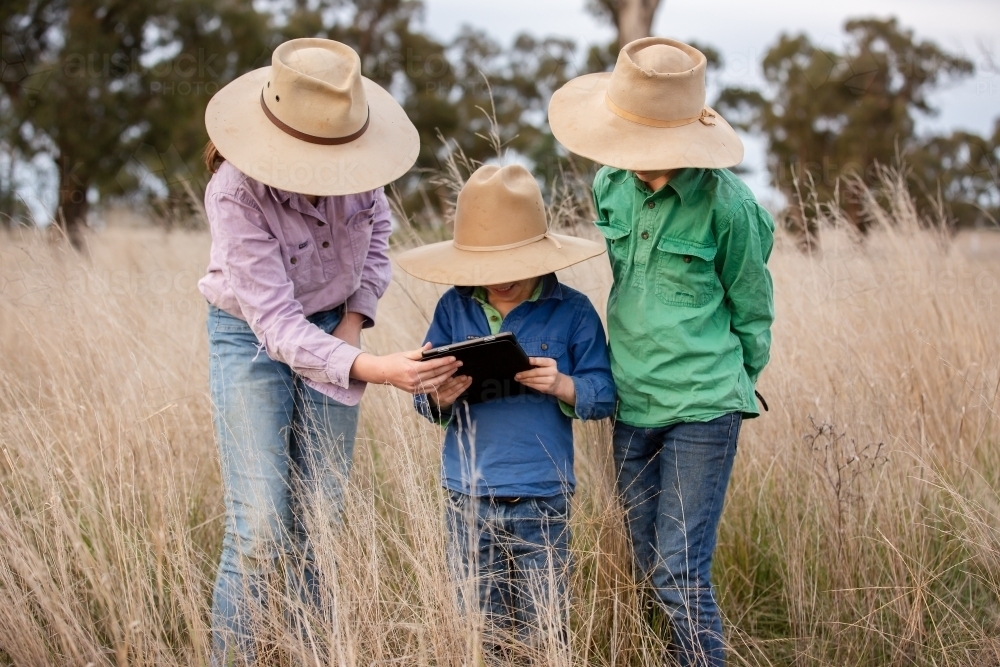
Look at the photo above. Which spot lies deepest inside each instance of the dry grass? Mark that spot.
(862, 524)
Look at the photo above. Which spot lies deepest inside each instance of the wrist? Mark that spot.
(353, 319)
(367, 368)
(565, 391)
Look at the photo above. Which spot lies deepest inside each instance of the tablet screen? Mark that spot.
(491, 362)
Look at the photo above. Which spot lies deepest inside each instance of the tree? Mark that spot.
(90, 82)
(830, 118)
(632, 18)
(960, 171)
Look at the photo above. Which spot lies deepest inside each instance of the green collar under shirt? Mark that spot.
(495, 319)
(493, 315)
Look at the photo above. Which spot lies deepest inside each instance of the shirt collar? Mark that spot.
(684, 182)
(548, 288)
(281, 196)
(295, 200)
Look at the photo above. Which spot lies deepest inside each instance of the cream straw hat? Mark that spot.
(310, 123)
(501, 235)
(648, 114)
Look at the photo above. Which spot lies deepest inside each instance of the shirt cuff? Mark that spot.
(364, 302)
(338, 366)
(567, 409)
(431, 411)
(585, 398)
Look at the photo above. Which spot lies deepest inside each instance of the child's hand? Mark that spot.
(547, 379)
(449, 391)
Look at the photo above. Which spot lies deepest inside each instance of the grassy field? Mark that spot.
(861, 528)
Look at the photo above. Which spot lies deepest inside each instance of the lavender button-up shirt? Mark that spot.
(276, 259)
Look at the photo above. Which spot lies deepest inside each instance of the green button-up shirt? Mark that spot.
(690, 311)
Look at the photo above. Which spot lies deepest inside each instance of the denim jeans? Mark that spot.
(512, 558)
(286, 452)
(673, 483)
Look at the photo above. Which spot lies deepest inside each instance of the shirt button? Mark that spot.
(326, 244)
(494, 318)
(545, 346)
(320, 223)
(651, 204)
(294, 260)
(645, 235)
(687, 259)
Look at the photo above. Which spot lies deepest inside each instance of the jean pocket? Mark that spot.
(327, 320)
(552, 507)
(222, 322)
(458, 500)
(685, 272)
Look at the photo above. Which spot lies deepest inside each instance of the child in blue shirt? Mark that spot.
(507, 463)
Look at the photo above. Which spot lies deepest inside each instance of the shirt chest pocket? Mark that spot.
(547, 346)
(303, 264)
(359, 231)
(617, 237)
(684, 272)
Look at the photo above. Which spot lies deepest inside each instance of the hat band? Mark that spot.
(313, 139)
(509, 246)
(656, 122)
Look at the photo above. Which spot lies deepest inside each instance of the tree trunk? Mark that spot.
(73, 206)
(634, 19)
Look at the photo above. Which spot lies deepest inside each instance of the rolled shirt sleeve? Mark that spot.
(254, 269)
(377, 271)
(591, 372)
(744, 247)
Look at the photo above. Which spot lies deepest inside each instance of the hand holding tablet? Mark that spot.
(490, 362)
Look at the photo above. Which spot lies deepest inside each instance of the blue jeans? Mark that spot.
(286, 452)
(513, 557)
(673, 483)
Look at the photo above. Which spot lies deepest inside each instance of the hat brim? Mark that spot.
(445, 264)
(244, 136)
(582, 122)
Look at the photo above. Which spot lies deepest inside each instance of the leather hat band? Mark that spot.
(704, 116)
(325, 141)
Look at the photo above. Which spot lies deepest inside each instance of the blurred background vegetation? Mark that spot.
(113, 93)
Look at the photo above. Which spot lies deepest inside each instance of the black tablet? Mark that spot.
(491, 362)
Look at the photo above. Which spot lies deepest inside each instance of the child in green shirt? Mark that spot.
(689, 314)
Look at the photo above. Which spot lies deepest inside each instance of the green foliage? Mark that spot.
(90, 82)
(115, 92)
(831, 117)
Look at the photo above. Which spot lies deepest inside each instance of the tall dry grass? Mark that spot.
(861, 526)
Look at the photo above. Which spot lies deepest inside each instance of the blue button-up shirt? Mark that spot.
(523, 445)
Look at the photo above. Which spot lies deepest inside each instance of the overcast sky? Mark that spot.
(742, 31)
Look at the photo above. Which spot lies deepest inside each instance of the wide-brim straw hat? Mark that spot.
(649, 114)
(501, 235)
(310, 123)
